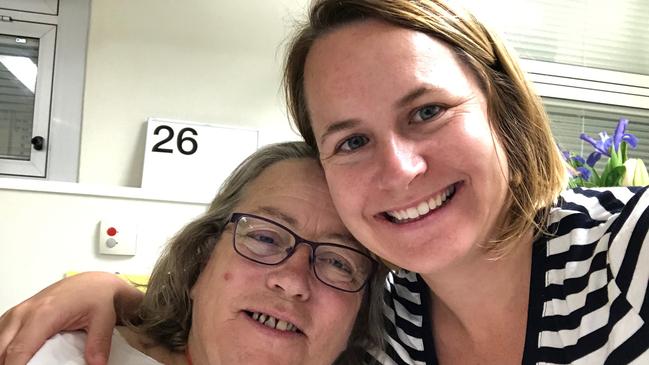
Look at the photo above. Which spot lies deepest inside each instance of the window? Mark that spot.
(42, 64)
(571, 117)
(26, 57)
(588, 60)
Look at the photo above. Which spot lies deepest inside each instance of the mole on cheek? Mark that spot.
(227, 276)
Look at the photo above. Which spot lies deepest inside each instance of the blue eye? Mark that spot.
(428, 112)
(352, 143)
(340, 265)
(335, 265)
(261, 243)
(265, 239)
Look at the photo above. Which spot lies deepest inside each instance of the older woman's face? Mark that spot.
(231, 288)
(413, 166)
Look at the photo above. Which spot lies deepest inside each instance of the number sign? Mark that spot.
(192, 159)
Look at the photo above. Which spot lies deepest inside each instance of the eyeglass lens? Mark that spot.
(268, 243)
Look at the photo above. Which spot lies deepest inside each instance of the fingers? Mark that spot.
(100, 332)
(9, 325)
(19, 354)
(16, 339)
(82, 302)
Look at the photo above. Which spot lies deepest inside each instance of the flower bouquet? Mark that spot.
(619, 170)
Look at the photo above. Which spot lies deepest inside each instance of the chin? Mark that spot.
(269, 357)
(431, 257)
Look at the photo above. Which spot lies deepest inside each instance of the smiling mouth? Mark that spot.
(272, 322)
(421, 209)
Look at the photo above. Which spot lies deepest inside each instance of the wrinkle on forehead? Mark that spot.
(295, 194)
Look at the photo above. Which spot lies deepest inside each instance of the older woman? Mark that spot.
(268, 275)
(439, 158)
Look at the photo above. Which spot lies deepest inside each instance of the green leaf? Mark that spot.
(614, 177)
(614, 160)
(623, 149)
(595, 178)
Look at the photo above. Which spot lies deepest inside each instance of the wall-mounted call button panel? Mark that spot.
(117, 237)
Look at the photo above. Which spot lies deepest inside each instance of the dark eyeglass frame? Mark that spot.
(236, 217)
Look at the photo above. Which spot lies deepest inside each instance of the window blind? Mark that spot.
(570, 118)
(602, 34)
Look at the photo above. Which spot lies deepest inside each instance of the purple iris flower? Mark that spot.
(620, 136)
(593, 158)
(603, 146)
(579, 160)
(584, 173)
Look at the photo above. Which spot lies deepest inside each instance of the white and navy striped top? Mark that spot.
(589, 302)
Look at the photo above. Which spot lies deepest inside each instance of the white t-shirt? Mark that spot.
(66, 348)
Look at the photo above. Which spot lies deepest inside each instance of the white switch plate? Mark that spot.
(124, 242)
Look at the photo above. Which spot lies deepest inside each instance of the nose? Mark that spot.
(399, 163)
(292, 278)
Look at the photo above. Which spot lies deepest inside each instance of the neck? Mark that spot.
(147, 346)
(483, 297)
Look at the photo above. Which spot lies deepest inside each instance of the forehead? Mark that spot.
(294, 179)
(385, 57)
(295, 193)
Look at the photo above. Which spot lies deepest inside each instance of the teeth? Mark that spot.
(413, 213)
(282, 325)
(440, 199)
(272, 322)
(423, 207)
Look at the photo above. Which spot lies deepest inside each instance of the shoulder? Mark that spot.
(64, 347)
(68, 347)
(129, 349)
(602, 202)
(406, 320)
(606, 208)
(596, 236)
(406, 297)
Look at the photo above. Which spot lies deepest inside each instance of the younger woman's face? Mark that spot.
(413, 166)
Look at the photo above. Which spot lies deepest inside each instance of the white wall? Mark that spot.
(44, 235)
(213, 61)
(216, 61)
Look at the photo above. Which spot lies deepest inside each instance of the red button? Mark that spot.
(111, 231)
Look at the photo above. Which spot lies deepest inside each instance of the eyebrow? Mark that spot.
(414, 94)
(276, 213)
(406, 99)
(339, 126)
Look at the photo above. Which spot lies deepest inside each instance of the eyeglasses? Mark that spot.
(266, 242)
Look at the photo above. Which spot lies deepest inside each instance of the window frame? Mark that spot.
(63, 140)
(34, 6)
(46, 33)
(588, 84)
